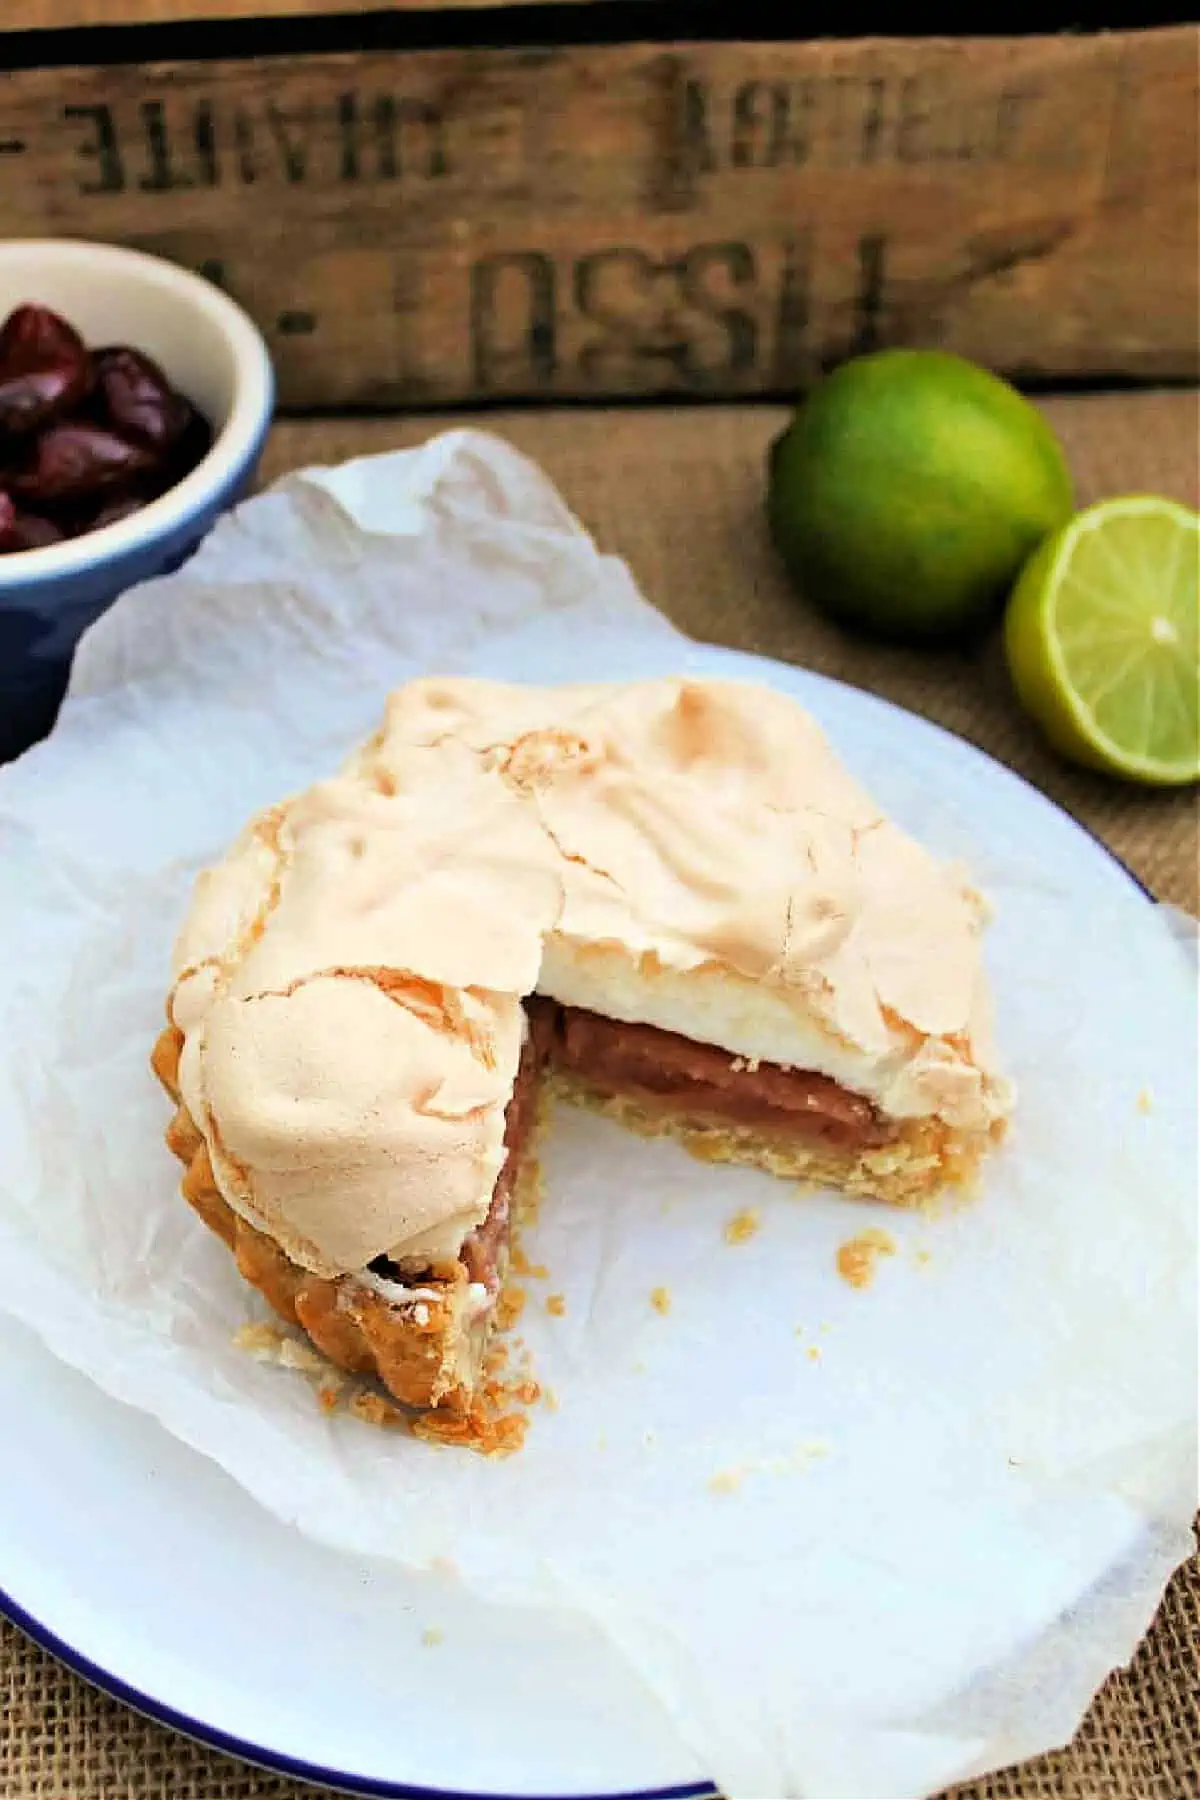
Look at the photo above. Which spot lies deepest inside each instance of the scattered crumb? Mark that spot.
(518, 1261)
(857, 1257)
(556, 1304)
(528, 1197)
(444, 1565)
(742, 1226)
(483, 1429)
(1145, 1101)
(649, 1436)
(268, 1343)
(509, 1307)
(637, 1368)
(813, 1353)
(295, 1355)
(922, 1258)
(492, 1424)
(810, 1451)
(799, 1331)
(660, 1299)
(263, 1342)
(539, 1271)
(727, 1481)
(373, 1409)
(431, 1636)
(550, 1399)
(602, 1441)
(825, 1328)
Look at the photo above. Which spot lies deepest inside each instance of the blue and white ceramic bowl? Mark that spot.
(211, 352)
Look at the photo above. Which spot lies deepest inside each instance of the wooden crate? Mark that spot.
(430, 220)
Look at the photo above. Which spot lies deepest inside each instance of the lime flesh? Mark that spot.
(1102, 639)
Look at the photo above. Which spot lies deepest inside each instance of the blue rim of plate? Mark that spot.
(276, 1761)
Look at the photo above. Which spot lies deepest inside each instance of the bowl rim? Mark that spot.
(234, 446)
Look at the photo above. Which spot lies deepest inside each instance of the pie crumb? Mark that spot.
(813, 1353)
(373, 1409)
(742, 1226)
(294, 1355)
(274, 1344)
(485, 1429)
(857, 1257)
(1145, 1101)
(263, 1342)
(431, 1636)
(727, 1481)
(660, 1299)
(509, 1308)
(550, 1399)
(491, 1423)
(556, 1304)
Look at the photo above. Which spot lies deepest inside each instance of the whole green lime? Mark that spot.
(910, 488)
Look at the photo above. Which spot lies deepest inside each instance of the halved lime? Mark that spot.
(1102, 639)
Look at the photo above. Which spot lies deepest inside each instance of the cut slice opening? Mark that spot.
(424, 1331)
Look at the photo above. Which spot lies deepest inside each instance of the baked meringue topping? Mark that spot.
(680, 854)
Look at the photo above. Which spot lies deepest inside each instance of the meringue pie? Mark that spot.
(666, 899)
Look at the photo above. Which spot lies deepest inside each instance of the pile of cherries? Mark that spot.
(87, 437)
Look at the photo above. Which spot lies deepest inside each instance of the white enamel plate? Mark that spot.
(152, 1574)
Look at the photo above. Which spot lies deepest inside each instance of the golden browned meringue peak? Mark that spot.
(681, 853)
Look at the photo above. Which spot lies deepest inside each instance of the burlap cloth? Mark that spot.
(679, 493)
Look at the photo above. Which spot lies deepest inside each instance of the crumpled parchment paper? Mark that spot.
(860, 1543)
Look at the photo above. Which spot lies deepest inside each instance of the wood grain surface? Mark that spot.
(36, 15)
(441, 226)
